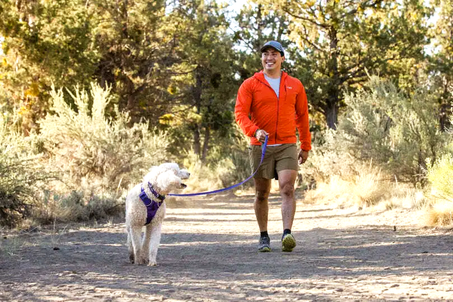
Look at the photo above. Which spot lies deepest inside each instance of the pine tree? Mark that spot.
(441, 61)
(202, 81)
(343, 40)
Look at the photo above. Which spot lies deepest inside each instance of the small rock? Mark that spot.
(56, 248)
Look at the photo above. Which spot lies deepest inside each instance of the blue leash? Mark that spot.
(263, 152)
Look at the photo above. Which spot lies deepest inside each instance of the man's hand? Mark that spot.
(303, 155)
(261, 135)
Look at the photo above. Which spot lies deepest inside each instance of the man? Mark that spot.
(273, 104)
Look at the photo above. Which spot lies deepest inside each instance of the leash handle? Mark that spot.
(263, 152)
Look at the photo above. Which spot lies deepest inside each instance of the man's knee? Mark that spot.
(262, 196)
(287, 189)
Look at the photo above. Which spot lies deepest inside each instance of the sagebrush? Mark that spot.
(21, 173)
(396, 131)
(92, 150)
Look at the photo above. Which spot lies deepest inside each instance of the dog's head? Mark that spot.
(166, 177)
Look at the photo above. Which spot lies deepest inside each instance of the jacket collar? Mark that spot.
(260, 76)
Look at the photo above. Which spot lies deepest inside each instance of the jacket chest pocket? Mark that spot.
(291, 97)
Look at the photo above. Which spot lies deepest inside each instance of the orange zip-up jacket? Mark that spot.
(257, 107)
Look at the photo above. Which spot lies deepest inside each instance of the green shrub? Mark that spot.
(397, 132)
(21, 174)
(75, 206)
(440, 176)
(96, 153)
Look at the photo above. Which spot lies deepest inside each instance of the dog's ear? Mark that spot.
(168, 181)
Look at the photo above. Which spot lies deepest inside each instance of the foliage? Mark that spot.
(75, 206)
(440, 65)
(367, 188)
(398, 132)
(202, 81)
(44, 42)
(257, 25)
(341, 40)
(440, 214)
(440, 176)
(136, 55)
(179, 63)
(94, 151)
(21, 174)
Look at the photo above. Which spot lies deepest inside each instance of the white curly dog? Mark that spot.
(145, 206)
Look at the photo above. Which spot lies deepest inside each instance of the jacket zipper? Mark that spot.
(278, 102)
(278, 108)
(278, 105)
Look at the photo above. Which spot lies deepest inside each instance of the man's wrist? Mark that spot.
(256, 132)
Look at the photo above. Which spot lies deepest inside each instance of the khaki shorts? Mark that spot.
(277, 158)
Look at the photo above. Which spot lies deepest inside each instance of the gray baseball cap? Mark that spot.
(273, 44)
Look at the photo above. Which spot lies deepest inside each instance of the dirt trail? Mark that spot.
(208, 253)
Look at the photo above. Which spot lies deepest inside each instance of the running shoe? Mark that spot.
(265, 244)
(288, 243)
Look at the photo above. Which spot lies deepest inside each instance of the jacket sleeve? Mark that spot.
(242, 109)
(302, 122)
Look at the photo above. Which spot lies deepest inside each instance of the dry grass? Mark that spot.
(439, 214)
(369, 188)
(335, 191)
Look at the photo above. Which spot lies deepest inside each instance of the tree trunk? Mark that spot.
(196, 92)
(196, 141)
(331, 113)
(333, 99)
(445, 109)
(207, 136)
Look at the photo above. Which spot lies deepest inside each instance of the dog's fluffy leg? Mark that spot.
(136, 243)
(129, 244)
(145, 243)
(155, 234)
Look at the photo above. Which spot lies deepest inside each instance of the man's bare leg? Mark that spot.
(286, 180)
(261, 205)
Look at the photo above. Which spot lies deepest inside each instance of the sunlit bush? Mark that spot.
(440, 176)
(21, 174)
(94, 151)
(378, 153)
(397, 132)
(98, 158)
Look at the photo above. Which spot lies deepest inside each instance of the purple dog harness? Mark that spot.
(151, 205)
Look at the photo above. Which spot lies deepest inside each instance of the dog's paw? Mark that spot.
(142, 261)
(152, 263)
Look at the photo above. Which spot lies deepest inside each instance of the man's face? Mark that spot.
(272, 59)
